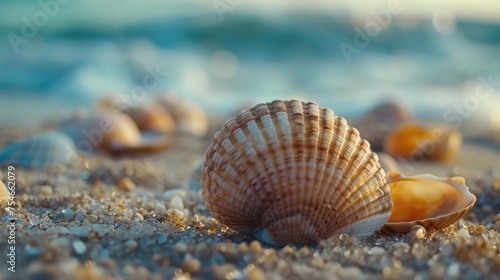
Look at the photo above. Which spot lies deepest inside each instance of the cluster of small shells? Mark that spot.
(164, 114)
(113, 129)
(391, 127)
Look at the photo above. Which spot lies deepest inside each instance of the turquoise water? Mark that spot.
(246, 54)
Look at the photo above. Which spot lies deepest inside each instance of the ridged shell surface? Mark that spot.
(292, 172)
(40, 151)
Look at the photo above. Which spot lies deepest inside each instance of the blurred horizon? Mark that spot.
(226, 54)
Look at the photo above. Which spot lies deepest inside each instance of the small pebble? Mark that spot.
(243, 248)
(437, 271)
(256, 247)
(160, 208)
(180, 247)
(168, 194)
(464, 233)
(79, 247)
(256, 274)
(131, 244)
(35, 220)
(376, 251)
(126, 184)
(225, 271)
(191, 265)
(417, 232)
(352, 273)
(202, 250)
(81, 211)
(46, 190)
(178, 214)
(401, 248)
(176, 202)
(453, 271)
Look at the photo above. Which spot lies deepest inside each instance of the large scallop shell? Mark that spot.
(427, 200)
(39, 151)
(112, 132)
(292, 172)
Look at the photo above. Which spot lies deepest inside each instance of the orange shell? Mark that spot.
(437, 142)
(427, 200)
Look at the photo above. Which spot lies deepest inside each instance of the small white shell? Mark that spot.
(40, 151)
(292, 172)
(427, 200)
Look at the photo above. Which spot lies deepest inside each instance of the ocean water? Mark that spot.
(228, 54)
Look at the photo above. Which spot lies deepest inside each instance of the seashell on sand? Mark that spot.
(381, 120)
(292, 172)
(112, 132)
(149, 117)
(427, 200)
(390, 112)
(188, 116)
(152, 118)
(40, 151)
(437, 142)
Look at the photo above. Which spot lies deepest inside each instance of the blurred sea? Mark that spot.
(249, 53)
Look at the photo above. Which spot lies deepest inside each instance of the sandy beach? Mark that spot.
(121, 218)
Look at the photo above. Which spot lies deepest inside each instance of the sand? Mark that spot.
(142, 218)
